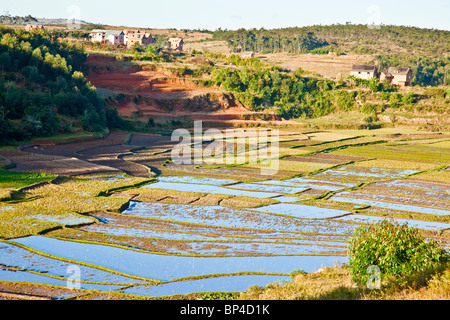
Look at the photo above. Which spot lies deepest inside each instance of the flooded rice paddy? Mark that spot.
(194, 229)
(210, 189)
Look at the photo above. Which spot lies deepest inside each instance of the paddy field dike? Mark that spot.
(117, 218)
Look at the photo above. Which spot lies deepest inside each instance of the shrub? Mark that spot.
(397, 250)
(395, 100)
(435, 92)
(409, 98)
(375, 85)
(369, 108)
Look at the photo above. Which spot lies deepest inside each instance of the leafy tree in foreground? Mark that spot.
(397, 250)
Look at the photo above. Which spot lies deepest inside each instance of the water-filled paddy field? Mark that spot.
(194, 229)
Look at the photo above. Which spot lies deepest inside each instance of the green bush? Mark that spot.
(409, 98)
(371, 108)
(395, 100)
(397, 250)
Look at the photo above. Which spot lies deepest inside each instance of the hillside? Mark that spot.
(426, 51)
(299, 75)
(43, 89)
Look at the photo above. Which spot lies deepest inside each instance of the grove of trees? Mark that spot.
(42, 88)
(425, 51)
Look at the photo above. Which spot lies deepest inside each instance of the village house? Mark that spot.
(247, 54)
(34, 27)
(175, 44)
(131, 37)
(397, 75)
(364, 71)
(96, 35)
(114, 37)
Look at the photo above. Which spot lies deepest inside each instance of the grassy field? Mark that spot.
(17, 180)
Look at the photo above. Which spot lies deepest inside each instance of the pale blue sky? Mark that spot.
(234, 14)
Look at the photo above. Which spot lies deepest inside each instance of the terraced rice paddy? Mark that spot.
(166, 229)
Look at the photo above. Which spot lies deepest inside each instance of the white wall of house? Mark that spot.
(112, 39)
(97, 37)
(367, 75)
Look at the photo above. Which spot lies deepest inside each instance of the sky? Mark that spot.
(235, 14)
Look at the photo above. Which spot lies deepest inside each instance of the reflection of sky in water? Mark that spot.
(208, 189)
(270, 188)
(166, 267)
(368, 172)
(390, 205)
(428, 225)
(429, 202)
(14, 256)
(219, 232)
(413, 184)
(317, 183)
(288, 199)
(210, 245)
(239, 218)
(199, 180)
(226, 284)
(301, 211)
(23, 276)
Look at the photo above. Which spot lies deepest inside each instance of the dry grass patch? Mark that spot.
(328, 283)
(247, 202)
(396, 164)
(5, 194)
(212, 199)
(295, 166)
(442, 144)
(24, 219)
(66, 202)
(336, 284)
(329, 136)
(442, 176)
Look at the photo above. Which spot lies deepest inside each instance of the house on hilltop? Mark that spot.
(397, 75)
(364, 71)
(131, 37)
(114, 37)
(96, 35)
(247, 54)
(175, 44)
(34, 27)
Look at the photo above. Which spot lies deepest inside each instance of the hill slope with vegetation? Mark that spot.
(43, 90)
(425, 51)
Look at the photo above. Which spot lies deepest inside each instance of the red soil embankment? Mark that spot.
(164, 95)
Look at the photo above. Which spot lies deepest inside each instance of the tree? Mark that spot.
(374, 85)
(5, 61)
(397, 250)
